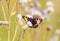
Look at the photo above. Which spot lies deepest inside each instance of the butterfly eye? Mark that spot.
(26, 17)
(37, 18)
